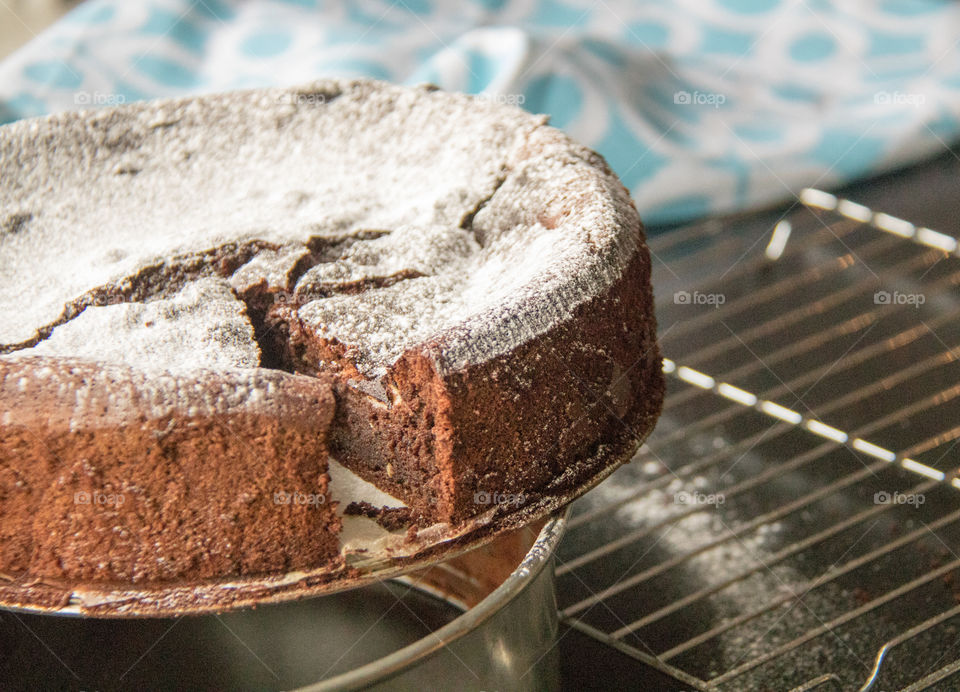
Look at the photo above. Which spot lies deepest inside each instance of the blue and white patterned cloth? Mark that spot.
(701, 106)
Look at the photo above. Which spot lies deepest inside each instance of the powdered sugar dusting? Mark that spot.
(557, 232)
(494, 227)
(408, 251)
(272, 267)
(106, 193)
(203, 326)
(78, 394)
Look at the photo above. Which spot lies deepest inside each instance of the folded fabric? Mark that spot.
(701, 106)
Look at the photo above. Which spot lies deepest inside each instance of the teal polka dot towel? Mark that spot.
(701, 106)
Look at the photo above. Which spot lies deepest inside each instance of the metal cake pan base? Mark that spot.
(484, 620)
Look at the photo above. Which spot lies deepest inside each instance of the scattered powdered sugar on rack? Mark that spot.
(803, 611)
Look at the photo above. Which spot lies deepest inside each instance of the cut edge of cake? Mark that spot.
(539, 391)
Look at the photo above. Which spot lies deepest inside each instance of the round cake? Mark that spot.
(204, 300)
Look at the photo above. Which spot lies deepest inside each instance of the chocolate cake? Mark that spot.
(203, 299)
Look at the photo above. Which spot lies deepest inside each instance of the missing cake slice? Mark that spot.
(202, 298)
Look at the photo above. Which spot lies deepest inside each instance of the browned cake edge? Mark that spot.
(162, 493)
(495, 434)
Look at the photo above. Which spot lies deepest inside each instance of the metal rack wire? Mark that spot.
(794, 521)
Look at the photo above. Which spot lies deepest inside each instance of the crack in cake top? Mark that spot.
(398, 217)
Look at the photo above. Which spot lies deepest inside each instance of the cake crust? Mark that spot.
(449, 296)
(110, 474)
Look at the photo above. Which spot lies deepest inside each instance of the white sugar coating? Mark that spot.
(421, 250)
(497, 226)
(272, 267)
(202, 326)
(518, 281)
(384, 322)
(78, 394)
(99, 195)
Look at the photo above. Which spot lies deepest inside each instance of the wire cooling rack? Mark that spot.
(794, 521)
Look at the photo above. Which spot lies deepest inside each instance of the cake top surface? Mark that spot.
(77, 394)
(203, 326)
(394, 217)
